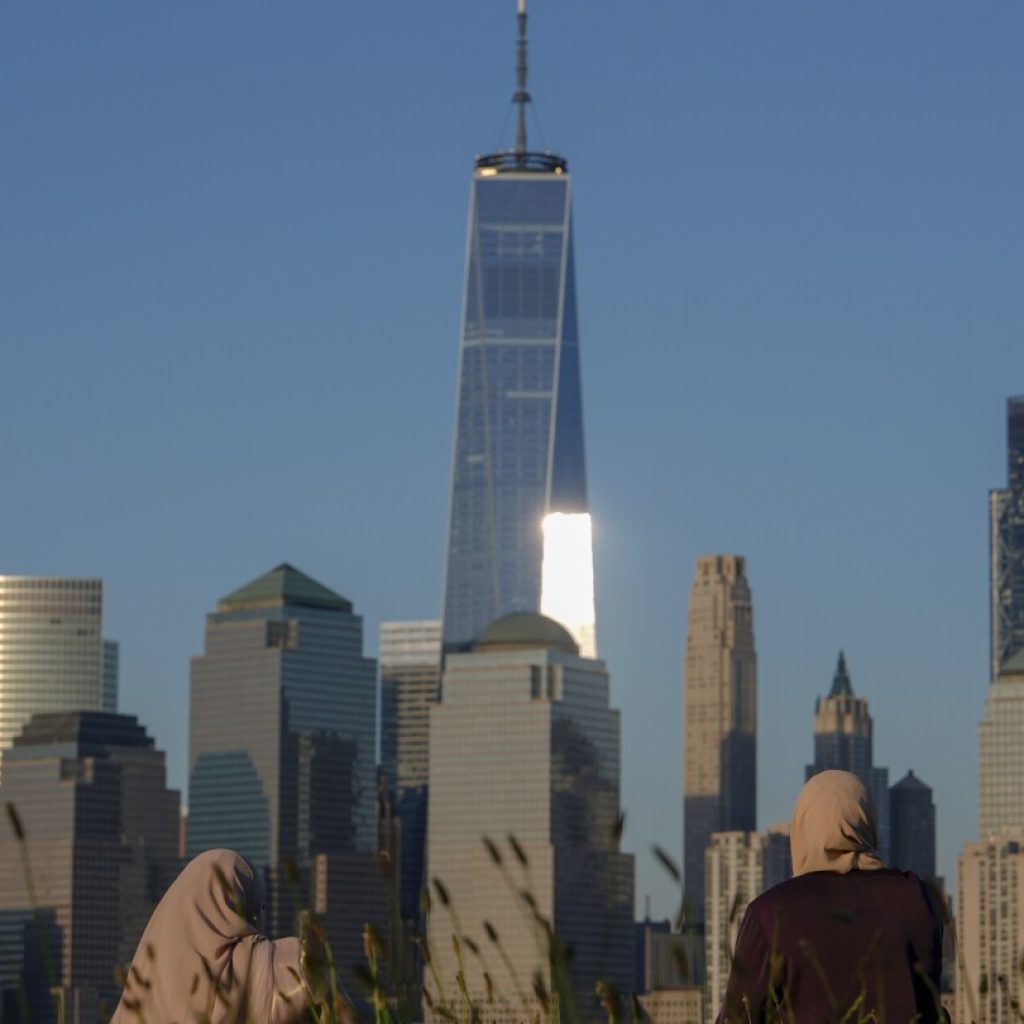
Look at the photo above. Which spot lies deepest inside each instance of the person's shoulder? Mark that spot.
(781, 895)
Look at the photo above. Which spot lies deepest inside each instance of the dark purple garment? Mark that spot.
(810, 947)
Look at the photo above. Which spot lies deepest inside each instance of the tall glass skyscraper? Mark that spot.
(519, 422)
(283, 730)
(52, 652)
(101, 829)
(410, 664)
(1006, 523)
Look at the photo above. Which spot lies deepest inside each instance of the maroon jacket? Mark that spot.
(816, 944)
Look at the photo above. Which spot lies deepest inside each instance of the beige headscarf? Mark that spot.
(833, 826)
(202, 956)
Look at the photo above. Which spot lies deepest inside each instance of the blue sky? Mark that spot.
(231, 245)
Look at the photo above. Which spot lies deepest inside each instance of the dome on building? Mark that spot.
(525, 629)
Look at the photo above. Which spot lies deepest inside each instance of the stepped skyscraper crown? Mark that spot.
(844, 740)
(518, 455)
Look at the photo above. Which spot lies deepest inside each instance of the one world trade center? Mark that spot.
(519, 530)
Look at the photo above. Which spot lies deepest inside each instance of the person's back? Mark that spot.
(845, 939)
(820, 944)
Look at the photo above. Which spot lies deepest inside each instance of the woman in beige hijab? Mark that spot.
(202, 957)
(844, 932)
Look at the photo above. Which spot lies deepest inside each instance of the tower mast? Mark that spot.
(521, 97)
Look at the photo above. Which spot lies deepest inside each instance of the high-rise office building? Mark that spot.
(111, 674)
(990, 929)
(410, 663)
(51, 648)
(719, 715)
(1001, 752)
(738, 867)
(101, 831)
(524, 744)
(1006, 531)
(912, 827)
(283, 733)
(844, 741)
(518, 453)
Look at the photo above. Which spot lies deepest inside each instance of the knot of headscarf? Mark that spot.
(833, 826)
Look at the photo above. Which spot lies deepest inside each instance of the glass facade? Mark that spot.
(111, 674)
(912, 827)
(101, 830)
(1006, 526)
(283, 728)
(410, 667)
(524, 744)
(719, 715)
(51, 649)
(519, 423)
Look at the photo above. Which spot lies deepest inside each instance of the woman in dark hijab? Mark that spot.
(845, 933)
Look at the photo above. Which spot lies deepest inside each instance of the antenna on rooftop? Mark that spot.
(521, 97)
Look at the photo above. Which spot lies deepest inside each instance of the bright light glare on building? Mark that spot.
(567, 577)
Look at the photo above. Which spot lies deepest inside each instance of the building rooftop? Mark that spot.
(841, 686)
(284, 585)
(92, 731)
(524, 630)
(911, 781)
(509, 160)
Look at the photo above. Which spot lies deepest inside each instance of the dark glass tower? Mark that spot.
(519, 423)
(912, 826)
(101, 830)
(1006, 516)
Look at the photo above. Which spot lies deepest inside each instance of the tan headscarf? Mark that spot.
(833, 826)
(202, 956)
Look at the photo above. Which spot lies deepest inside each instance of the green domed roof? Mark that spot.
(526, 629)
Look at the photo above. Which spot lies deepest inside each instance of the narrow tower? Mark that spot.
(1006, 531)
(719, 715)
(844, 740)
(518, 454)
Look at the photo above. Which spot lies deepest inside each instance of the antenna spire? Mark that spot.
(521, 97)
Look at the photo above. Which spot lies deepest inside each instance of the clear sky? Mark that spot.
(231, 257)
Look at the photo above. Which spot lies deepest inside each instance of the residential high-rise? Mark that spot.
(283, 735)
(410, 664)
(1006, 531)
(51, 648)
(990, 929)
(912, 827)
(518, 453)
(843, 741)
(524, 751)
(1001, 752)
(101, 831)
(719, 715)
(738, 867)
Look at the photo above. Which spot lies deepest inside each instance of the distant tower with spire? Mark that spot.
(843, 740)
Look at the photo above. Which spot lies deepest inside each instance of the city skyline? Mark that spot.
(833, 267)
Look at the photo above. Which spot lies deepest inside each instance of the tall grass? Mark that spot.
(547, 997)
